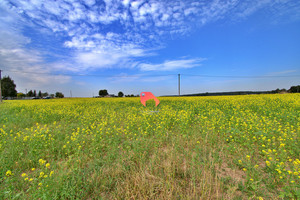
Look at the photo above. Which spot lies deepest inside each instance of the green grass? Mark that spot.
(190, 148)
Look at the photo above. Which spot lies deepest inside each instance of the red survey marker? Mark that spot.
(145, 96)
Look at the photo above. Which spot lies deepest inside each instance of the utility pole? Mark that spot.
(71, 93)
(178, 84)
(0, 88)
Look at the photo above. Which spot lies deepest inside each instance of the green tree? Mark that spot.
(34, 93)
(40, 93)
(8, 87)
(120, 94)
(59, 95)
(45, 94)
(52, 95)
(294, 89)
(103, 93)
(20, 95)
(30, 93)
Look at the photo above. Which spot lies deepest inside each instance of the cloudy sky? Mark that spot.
(135, 46)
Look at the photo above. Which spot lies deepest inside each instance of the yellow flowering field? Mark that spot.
(229, 147)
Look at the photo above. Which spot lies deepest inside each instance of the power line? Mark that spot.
(230, 76)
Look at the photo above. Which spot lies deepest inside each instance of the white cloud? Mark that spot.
(123, 77)
(20, 62)
(282, 72)
(172, 65)
(109, 33)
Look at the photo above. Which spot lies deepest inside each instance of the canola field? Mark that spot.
(230, 147)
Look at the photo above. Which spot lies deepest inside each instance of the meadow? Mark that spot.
(230, 147)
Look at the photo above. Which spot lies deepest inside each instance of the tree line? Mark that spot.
(104, 93)
(8, 88)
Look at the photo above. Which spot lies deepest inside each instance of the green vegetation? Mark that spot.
(233, 147)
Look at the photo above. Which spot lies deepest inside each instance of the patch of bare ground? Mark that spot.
(236, 175)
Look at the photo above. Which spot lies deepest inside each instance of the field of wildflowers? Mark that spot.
(233, 147)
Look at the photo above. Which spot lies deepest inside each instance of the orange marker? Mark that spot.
(145, 96)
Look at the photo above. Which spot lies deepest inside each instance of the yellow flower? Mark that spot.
(296, 173)
(256, 166)
(45, 176)
(42, 174)
(270, 158)
(251, 179)
(26, 179)
(40, 184)
(41, 161)
(260, 198)
(30, 179)
(244, 169)
(292, 181)
(24, 174)
(268, 163)
(240, 161)
(32, 169)
(51, 173)
(48, 165)
(9, 173)
(248, 157)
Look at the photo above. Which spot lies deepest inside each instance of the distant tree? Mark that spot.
(120, 94)
(40, 93)
(59, 95)
(132, 95)
(52, 95)
(34, 93)
(294, 89)
(103, 93)
(8, 87)
(45, 94)
(30, 93)
(20, 95)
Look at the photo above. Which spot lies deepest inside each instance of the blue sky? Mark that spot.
(135, 46)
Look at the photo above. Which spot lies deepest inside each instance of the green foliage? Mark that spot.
(120, 94)
(59, 95)
(237, 147)
(45, 94)
(8, 87)
(294, 89)
(103, 93)
(20, 95)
